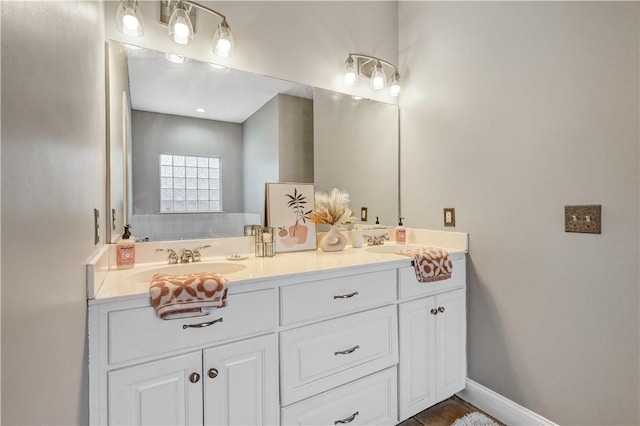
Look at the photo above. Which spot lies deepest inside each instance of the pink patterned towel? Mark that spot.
(431, 263)
(188, 295)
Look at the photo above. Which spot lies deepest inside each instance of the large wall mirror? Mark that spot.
(191, 146)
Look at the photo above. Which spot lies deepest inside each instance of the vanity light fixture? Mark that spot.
(129, 18)
(359, 65)
(181, 28)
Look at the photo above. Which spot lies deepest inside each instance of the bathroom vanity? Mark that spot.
(306, 338)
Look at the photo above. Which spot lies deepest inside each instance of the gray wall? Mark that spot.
(295, 124)
(260, 133)
(278, 147)
(509, 111)
(155, 134)
(356, 144)
(53, 176)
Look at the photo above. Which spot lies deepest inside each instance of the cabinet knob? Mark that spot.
(213, 373)
(434, 311)
(194, 377)
(441, 309)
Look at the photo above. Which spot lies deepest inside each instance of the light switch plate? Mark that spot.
(583, 219)
(449, 217)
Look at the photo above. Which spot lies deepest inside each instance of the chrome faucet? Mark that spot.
(186, 256)
(173, 257)
(376, 240)
(196, 252)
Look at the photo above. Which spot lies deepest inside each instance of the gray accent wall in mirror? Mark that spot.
(260, 128)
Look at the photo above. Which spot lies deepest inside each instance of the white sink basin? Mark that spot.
(391, 248)
(186, 268)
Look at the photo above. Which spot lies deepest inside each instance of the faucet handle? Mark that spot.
(196, 252)
(173, 257)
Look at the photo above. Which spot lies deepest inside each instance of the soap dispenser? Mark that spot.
(401, 233)
(126, 250)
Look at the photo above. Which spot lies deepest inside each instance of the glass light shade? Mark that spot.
(394, 88)
(180, 26)
(223, 40)
(350, 72)
(378, 77)
(129, 18)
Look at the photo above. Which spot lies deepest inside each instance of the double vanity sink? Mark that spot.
(306, 338)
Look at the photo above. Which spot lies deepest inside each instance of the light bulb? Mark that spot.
(130, 22)
(394, 88)
(350, 72)
(180, 26)
(180, 31)
(223, 40)
(378, 77)
(129, 18)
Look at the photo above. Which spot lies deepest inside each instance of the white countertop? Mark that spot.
(107, 284)
(133, 283)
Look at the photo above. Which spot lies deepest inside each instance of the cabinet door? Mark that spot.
(451, 358)
(241, 383)
(158, 393)
(417, 356)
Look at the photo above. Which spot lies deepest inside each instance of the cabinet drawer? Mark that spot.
(370, 401)
(410, 287)
(325, 355)
(324, 298)
(137, 333)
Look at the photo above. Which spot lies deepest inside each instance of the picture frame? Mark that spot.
(288, 209)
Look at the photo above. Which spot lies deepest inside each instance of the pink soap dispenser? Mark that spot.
(401, 233)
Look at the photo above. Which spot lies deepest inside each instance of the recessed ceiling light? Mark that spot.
(217, 66)
(176, 59)
(200, 110)
(356, 98)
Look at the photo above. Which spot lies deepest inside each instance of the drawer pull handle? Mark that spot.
(346, 296)
(213, 373)
(347, 352)
(194, 377)
(434, 311)
(347, 419)
(202, 324)
(441, 309)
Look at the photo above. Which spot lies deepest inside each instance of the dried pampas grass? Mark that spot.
(332, 208)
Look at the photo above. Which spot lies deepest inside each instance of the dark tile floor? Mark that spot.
(443, 414)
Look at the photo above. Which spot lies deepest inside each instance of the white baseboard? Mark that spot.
(503, 409)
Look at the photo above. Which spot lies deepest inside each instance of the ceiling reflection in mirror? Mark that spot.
(259, 128)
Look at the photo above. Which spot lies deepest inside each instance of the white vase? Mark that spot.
(334, 240)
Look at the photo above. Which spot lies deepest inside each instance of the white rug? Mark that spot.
(474, 419)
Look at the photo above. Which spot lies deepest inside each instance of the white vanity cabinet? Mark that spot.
(432, 342)
(234, 384)
(218, 369)
(363, 344)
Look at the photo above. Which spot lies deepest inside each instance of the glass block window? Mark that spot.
(189, 183)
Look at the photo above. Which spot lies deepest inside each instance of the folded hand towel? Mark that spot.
(188, 295)
(431, 263)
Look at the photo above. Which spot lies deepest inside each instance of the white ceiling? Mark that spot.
(158, 85)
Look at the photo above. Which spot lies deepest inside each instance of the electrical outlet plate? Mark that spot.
(583, 219)
(450, 217)
(364, 213)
